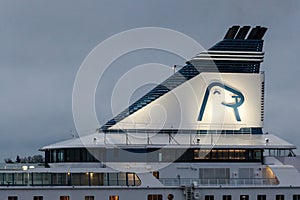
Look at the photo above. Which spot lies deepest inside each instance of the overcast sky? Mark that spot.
(43, 43)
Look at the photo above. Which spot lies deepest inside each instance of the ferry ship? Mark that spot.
(211, 146)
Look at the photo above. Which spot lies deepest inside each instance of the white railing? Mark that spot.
(217, 182)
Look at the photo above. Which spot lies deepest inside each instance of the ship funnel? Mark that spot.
(257, 33)
(231, 32)
(242, 32)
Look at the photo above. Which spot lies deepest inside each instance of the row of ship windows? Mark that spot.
(231, 154)
(259, 197)
(69, 179)
(170, 197)
(111, 197)
(152, 155)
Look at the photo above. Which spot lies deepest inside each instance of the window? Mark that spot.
(64, 198)
(226, 197)
(244, 197)
(89, 198)
(261, 197)
(296, 197)
(279, 197)
(114, 197)
(12, 198)
(209, 197)
(170, 197)
(155, 197)
(38, 198)
(156, 174)
(197, 154)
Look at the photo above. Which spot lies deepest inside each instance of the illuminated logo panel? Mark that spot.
(236, 95)
(210, 101)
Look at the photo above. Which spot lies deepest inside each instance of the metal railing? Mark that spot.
(217, 182)
(164, 136)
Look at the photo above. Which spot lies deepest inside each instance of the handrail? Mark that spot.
(217, 182)
(147, 136)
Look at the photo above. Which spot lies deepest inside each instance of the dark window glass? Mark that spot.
(89, 198)
(261, 197)
(209, 197)
(53, 155)
(83, 155)
(38, 198)
(226, 197)
(64, 198)
(156, 174)
(296, 197)
(60, 155)
(197, 154)
(155, 197)
(279, 197)
(12, 198)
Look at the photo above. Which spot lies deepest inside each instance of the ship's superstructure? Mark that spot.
(208, 143)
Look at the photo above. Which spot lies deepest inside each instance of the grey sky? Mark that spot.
(42, 44)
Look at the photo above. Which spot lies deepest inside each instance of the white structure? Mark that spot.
(210, 146)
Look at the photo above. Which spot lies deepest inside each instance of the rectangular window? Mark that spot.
(114, 197)
(197, 154)
(12, 198)
(64, 198)
(38, 198)
(113, 179)
(244, 197)
(296, 197)
(226, 197)
(89, 198)
(155, 197)
(261, 197)
(279, 197)
(209, 197)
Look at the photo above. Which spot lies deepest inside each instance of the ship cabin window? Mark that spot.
(65, 179)
(279, 197)
(89, 198)
(279, 152)
(296, 197)
(209, 197)
(13, 179)
(244, 197)
(226, 155)
(38, 198)
(156, 174)
(155, 197)
(113, 197)
(226, 197)
(64, 198)
(197, 154)
(261, 197)
(12, 198)
(70, 155)
(153, 155)
(170, 197)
